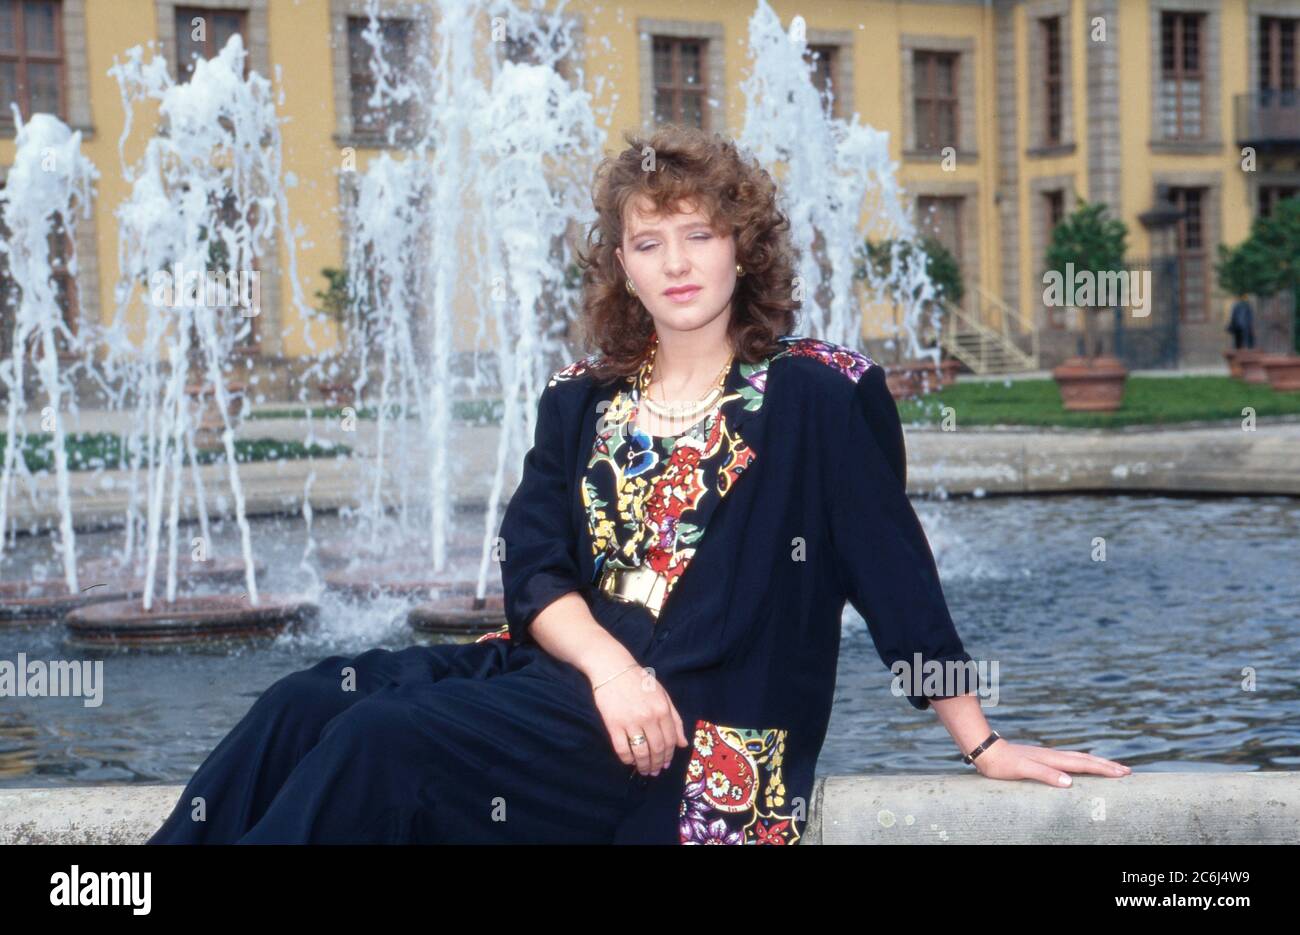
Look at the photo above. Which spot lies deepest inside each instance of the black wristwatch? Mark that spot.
(969, 758)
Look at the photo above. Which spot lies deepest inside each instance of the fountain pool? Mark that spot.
(1139, 658)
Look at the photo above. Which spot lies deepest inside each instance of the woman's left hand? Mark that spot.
(1006, 760)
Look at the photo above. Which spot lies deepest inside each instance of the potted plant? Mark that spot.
(908, 378)
(1266, 263)
(1087, 241)
(1243, 271)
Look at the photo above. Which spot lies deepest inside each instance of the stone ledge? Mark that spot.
(1143, 808)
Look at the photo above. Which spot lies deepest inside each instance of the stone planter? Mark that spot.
(913, 377)
(337, 394)
(902, 381)
(1095, 385)
(1252, 365)
(1283, 372)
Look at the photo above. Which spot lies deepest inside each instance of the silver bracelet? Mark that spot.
(616, 675)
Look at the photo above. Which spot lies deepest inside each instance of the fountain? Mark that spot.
(532, 138)
(833, 174)
(203, 208)
(49, 185)
(426, 235)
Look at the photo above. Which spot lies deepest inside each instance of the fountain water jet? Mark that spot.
(49, 184)
(832, 174)
(494, 235)
(205, 197)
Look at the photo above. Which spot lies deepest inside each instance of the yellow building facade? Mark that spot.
(1179, 115)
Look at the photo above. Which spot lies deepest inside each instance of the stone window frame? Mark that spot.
(713, 33)
(970, 223)
(340, 11)
(1035, 13)
(1040, 231)
(1212, 96)
(842, 72)
(967, 114)
(1212, 231)
(257, 41)
(570, 68)
(1265, 178)
(87, 275)
(76, 73)
(270, 340)
(1285, 9)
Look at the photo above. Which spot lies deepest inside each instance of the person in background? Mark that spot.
(1241, 324)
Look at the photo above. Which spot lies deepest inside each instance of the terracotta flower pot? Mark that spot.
(1283, 372)
(916, 376)
(204, 398)
(1234, 365)
(210, 425)
(902, 381)
(1252, 365)
(338, 394)
(1091, 385)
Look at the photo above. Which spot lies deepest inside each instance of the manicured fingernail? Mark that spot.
(1065, 780)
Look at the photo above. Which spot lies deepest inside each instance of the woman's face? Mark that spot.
(684, 272)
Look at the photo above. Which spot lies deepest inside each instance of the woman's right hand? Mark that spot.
(635, 702)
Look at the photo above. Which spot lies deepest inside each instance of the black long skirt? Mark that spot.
(489, 742)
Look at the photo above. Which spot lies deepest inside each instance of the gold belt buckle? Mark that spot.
(642, 584)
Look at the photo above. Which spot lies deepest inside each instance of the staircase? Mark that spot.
(987, 348)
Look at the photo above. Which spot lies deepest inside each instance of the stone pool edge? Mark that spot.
(1227, 807)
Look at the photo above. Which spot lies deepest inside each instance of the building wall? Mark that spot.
(1001, 170)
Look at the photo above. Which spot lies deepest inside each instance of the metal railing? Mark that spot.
(983, 344)
(1268, 118)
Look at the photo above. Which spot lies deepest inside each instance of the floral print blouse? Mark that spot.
(640, 491)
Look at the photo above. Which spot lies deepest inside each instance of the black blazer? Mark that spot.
(747, 643)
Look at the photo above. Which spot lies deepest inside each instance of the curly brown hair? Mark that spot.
(736, 194)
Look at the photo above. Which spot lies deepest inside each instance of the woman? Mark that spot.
(702, 497)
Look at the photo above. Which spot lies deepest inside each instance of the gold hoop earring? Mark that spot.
(631, 289)
(740, 270)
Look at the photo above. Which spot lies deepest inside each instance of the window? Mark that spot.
(939, 216)
(679, 85)
(1279, 69)
(397, 45)
(1182, 76)
(1053, 214)
(822, 58)
(527, 51)
(935, 99)
(1052, 75)
(31, 58)
(203, 33)
(1191, 250)
(1270, 195)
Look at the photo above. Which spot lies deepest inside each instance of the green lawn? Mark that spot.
(93, 450)
(483, 411)
(1147, 401)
